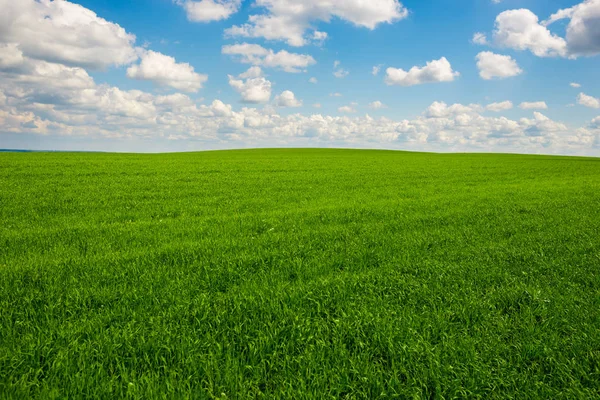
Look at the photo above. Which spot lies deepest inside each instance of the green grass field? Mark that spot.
(299, 274)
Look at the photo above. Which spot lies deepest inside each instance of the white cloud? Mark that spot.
(583, 31)
(541, 125)
(335, 95)
(174, 100)
(63, 32)
(566, 13)
(536, 105)
(317, 105)
(439, 109)
(575, 85)
(502, 106)
(257, 55)
(319, 37)
(521, 30)
(10, 56)
(37, 81)
(38, 97)
(588, 101)
(347, 109)
(313, 80)
(86, 109)
(253, 72)
(252, 86)
(377, 105)
(165, 71)
(435, 71)
(209, 10)
(288, 99)
(221, 109)
(289, 20)
(493, 65)
(339, 72)
(480, 38)
(61, 95)
(595, 124)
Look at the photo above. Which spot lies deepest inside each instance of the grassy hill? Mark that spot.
(299, 274)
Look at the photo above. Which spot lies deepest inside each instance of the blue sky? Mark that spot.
(178, 75)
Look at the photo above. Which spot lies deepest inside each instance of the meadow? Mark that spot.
(299, 274)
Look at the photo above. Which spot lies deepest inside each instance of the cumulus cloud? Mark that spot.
(287, 99)
(583, 31)
(313, 80)
(502, 106)
(209, 10)
(595, 124)
(521, 30)
(220, 109)
(175, 100)
(10, 56)
(165, 71)
(50, 98)
(347, 109)
(541, 125)
(480, 38)
(252, 72)
(252, 86)
(58, 98)
(46, 98)
(493, 65)
(63, 32)
(536, 105)
(588, 101)
(257, 55)
(566, 13)
(575, 85)
(50, 84)
(289, 20)
(435, 71)
(377, 105)
(439, 109)
(338, 71)
(319, 38)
